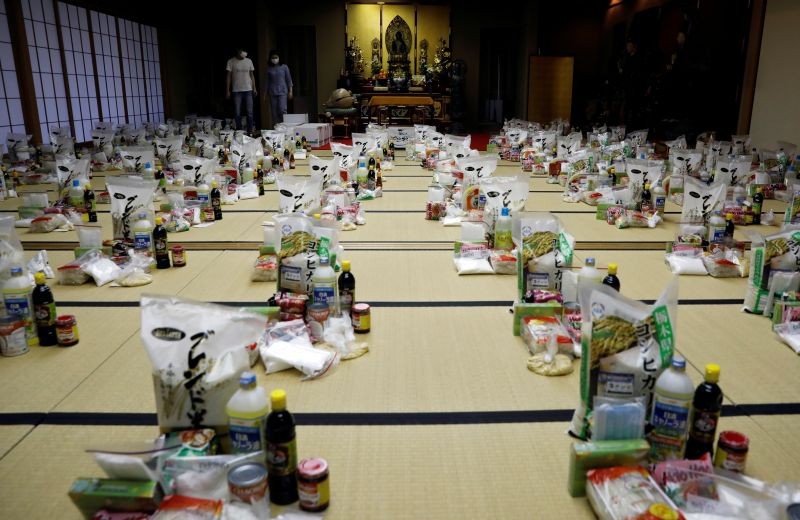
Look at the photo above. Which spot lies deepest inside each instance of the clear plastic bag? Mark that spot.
(290, 346)
(100, 267)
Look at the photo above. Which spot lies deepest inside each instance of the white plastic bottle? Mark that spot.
(502, 232)
(589, 272)
(671, 417)
(659, 198)
(149, 173)
(17, 296)
(323, 284)
(143, 235)
(247, 413)
(247, 174)
(203, 194)
(76, 194)
(716, 227)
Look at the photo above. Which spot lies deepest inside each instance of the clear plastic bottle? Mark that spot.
(716, 227)
(247, 413)
(660, 197)
(323, 284)
(589, 272)
(76, 194)
(502, 232)
(203, 194)
(143, 235)
(149, 173)
(672, 406)
(247, 174)
(18, 299)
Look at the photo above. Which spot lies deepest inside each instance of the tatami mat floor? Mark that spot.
(441, 419)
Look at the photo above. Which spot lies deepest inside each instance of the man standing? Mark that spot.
(279, 87)
(242, 84)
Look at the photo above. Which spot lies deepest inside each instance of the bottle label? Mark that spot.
(45, 314)
(323, 294)
(142, 241)
(161, 245)
(202, 197)
(247, 435)
(704, 425)
(719, 234)
(281, 458)
(346, 298)
(215, 202)
(670, 416)
(18, 305)
(313, 494)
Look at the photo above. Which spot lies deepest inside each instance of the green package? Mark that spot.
(584, 456)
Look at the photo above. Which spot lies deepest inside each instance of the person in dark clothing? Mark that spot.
(633, 72)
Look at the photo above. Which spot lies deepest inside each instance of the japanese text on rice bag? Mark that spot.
(128, 196)
(197, 351)
(770, 255)
(625, 347)
(544, 250)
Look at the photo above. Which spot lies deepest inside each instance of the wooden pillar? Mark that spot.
(752, 54)
(19, 40)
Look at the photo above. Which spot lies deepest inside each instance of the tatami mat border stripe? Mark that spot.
(368, 419)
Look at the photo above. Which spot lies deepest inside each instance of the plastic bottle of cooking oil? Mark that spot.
(247, 415)
(672, 407)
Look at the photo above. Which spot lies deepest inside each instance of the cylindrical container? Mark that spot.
(67, 330)
(178, 256)
(12, 337)
(313, 486)
(361, 318)
(732, 451)
(318, 314)
(248, 482)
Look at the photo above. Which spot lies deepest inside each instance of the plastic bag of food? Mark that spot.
(197, 351)
(724, 264)
(544, 248)
(363, 143)
(700, 199)
(179, 507)
(476, 168)
(567, 145)
(733, 170)
(632, 218)
(789, 333)
(135, 157)
(503, 262)
(129, 196)
(69, 168)
(504, 192)
(48, 223)
(627, 493)
(18, 147)
(272, 139)
(169, 149)
(99, 267)
(625, 346)
(544, 142)
(740, 144)
(72, 273)
(637, 138)
(136, 271)
(345, 155)
(265, 269)
(537, 332)
(299, 194)
(681, 264)
(39, 264)
(685, 162)
(323, 170)
(641, 172)
(769, 254)
(193, 170)
(287, 344)
(472, 258)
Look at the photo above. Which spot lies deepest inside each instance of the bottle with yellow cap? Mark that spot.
(347, 289)
(611, 279)
(707, 404)
(216, 200)
(281, 451)
(160, 244)
(44, 311)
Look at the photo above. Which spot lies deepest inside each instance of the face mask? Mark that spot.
(274, 61)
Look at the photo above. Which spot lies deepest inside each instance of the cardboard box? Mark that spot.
(317, 134)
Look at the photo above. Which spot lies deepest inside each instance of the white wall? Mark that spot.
(776, 108)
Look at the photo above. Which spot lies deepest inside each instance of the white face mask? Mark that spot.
(274, 61)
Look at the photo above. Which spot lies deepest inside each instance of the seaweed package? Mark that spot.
(134, 158)
(625, 345)
(129, 196)
(545, 250)
(169, 149)
(733, 170)
(197, 352)
(641, 172)
(567, 145)
(700, 199)
(321, 169)
(299, 194)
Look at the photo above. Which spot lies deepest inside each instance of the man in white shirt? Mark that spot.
(242, 84)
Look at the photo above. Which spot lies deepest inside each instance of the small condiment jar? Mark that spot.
(313, 486)
(248, 482)
(67, 330)
(361, 318)
(732, 451)
(178, 256)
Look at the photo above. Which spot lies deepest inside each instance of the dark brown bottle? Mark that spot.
(216, 200)
(44, 309)
(611, 279)
(160, 245)
(89, 203)
(281, 451)
(706, 406)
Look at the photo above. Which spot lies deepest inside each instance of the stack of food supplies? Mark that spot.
(456, 193)
(707, 249)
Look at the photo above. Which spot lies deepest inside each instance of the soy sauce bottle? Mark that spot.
(260, 181)
(89, 203)
(707, 405)
(44, 308)
(281, 451)
(216, 200)
(160, 245)
(611, 279)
